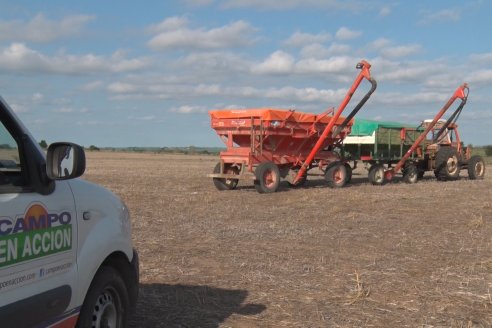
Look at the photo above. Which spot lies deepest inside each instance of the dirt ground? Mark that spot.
(397, 255)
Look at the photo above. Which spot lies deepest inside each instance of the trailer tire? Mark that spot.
(226, 184)
(336, 175)
(267, 178)
(447, 164)
(376, 175)
(476, 167)
(410, 173)
(106, 303)
(348, 168)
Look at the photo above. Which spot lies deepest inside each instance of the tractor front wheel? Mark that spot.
(476, 168)
(267, 178)
(410, 173)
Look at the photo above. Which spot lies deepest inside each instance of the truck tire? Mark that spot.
(447, 164)
(376, 175)
(226, 184)
(106, 303)
(267, 178)
(410, 173)
(336, 175)
(476, 168)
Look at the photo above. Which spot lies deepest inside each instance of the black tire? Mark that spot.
(348, 168)
(376, 175)
(226, 184)
(476, 167)
(447, 164)
(267, 178)
(106, 303)
(410, 173)
(336, 175)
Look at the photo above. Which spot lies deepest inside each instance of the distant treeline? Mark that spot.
(191, 150)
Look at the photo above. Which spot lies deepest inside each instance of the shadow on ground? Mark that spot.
(162, 305)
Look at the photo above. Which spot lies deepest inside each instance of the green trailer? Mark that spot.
(379, 141)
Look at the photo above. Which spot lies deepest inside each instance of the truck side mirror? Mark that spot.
(65, 160)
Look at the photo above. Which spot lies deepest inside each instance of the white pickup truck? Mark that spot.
(66, 254)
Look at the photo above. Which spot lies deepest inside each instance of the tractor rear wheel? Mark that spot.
(376, 175)
(336, 175)
(447, 164)
(267, 178)
(226, 184)
(410, 173)
(476, 168)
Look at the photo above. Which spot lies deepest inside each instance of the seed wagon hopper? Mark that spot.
(265, 145)
(433, 146)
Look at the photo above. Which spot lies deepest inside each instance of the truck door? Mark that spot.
(37, 242)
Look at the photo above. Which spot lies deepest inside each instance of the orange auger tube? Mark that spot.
(365, 73)
(461, 93)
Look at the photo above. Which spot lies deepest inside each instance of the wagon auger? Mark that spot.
(365, 73)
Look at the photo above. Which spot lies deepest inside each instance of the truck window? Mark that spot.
(10, 164)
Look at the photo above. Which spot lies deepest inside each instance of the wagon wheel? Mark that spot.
(476, 168)
(447, 164)
(410, 173)
(301, 181)
(336, 175)
(376, 175)
(348, 168)
(226, 184)
(267, 178)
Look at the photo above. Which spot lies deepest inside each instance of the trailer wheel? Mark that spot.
(476, 168)
(447, 164)
(301, 181)
(226, 184)
(267, 178)
(376, 175)
(410, 173)
(336, 175)
(349, 172)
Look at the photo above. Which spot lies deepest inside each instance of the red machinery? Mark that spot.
(438, 148)
(264, 145)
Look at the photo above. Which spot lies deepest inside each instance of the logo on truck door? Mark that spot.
(36, 233)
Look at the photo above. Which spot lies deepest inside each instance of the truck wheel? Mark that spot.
(267, 178)
(476, 168)
(106, 303)
(447, 164)
(376, 175)
(226, 184)
(336, 175)
(410, 173)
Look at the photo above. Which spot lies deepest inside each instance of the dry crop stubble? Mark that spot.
(395, 255)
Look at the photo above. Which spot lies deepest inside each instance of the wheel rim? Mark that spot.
(452, 165)
(231, 182)
(338, 176)
(105, 314)
(379, 175)
(269, 178)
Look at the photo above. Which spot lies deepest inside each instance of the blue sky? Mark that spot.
(126, 73)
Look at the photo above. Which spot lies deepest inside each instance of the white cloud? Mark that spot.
(120, 87)
(299, 39)
(401, 51)
(319, 51)
(385, 11)
(290, 4)
(485, 58)
(20, 58)
(481, 76)
(187, 109)
(92, 86)
(278, 62)
(332, 65)
(169, 24)
(345, 33)
(175, 35)
(40, 29)
(441, 16)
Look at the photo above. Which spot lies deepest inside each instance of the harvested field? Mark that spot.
(363, 256)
